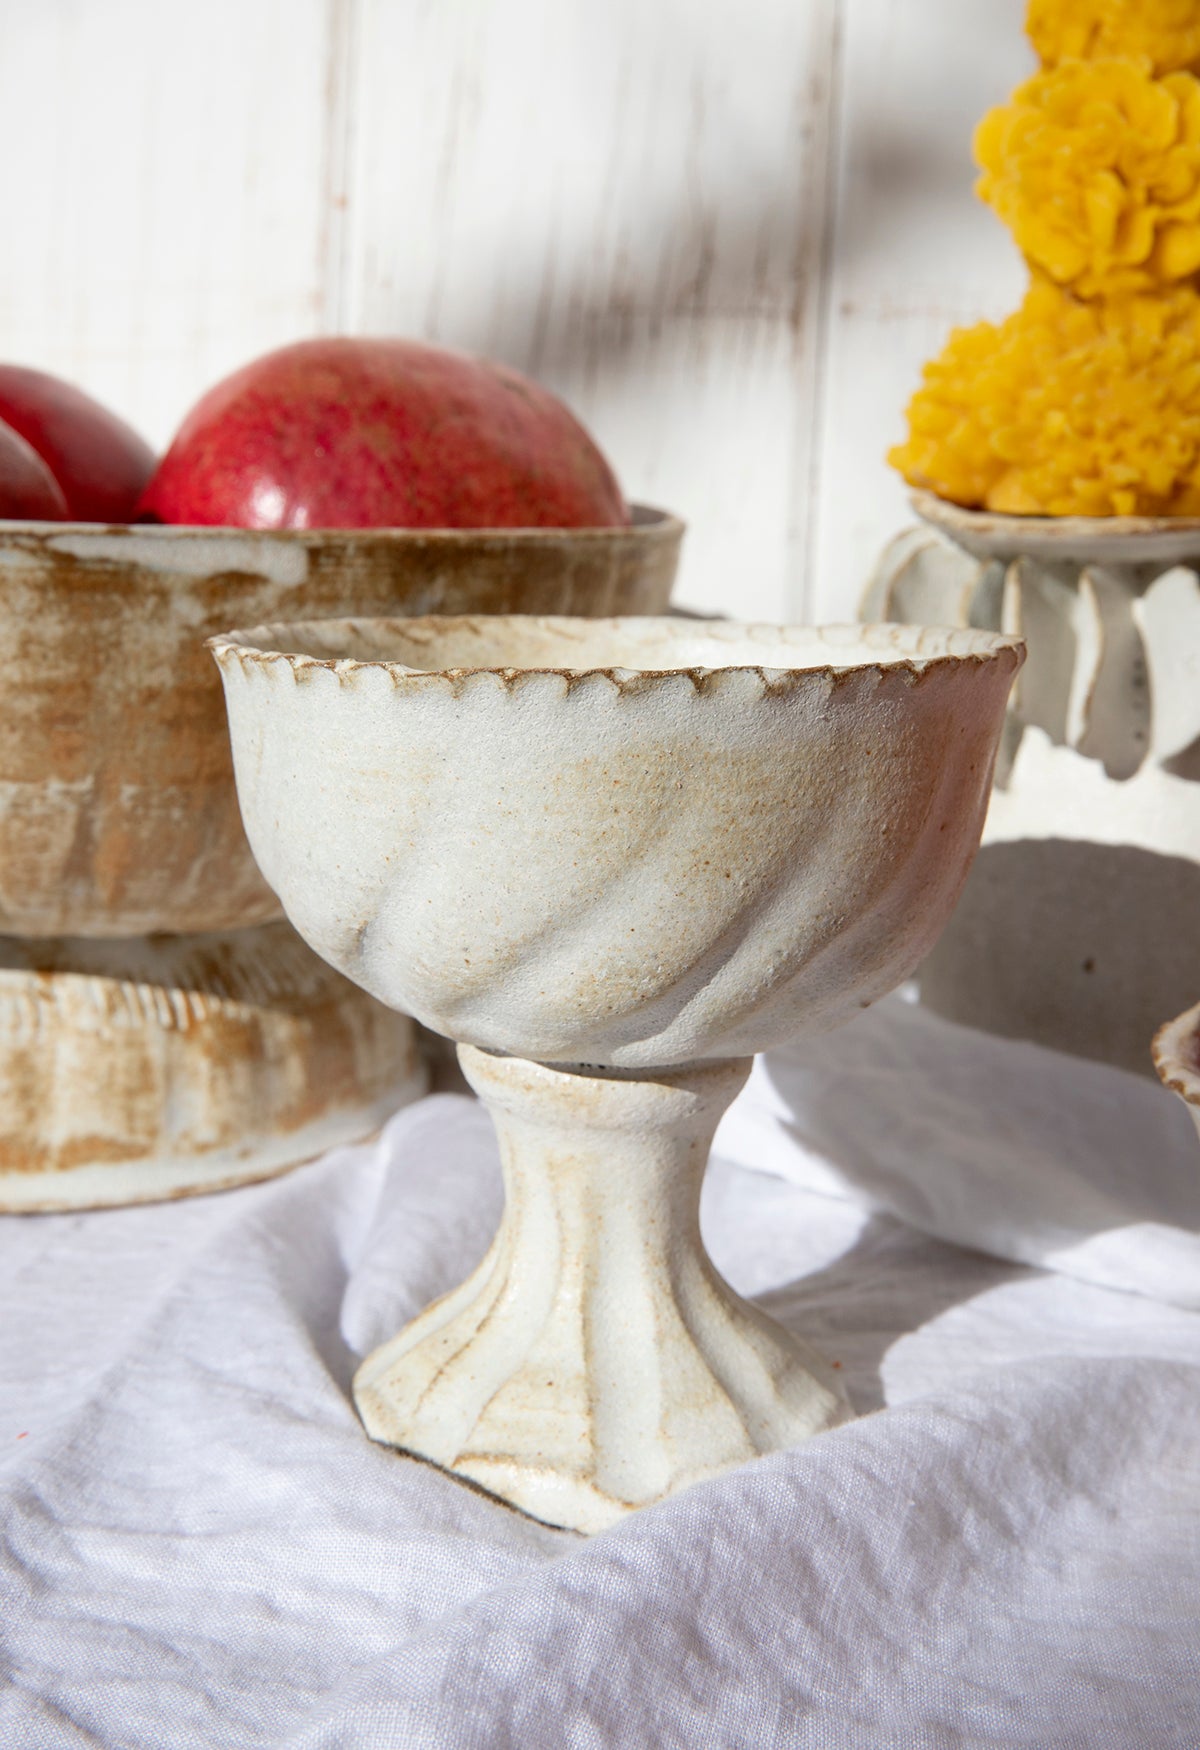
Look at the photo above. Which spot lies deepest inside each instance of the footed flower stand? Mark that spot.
(1079, 926)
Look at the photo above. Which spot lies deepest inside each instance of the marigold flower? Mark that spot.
(1066, 409)
(1095, 168)
(1166, 32)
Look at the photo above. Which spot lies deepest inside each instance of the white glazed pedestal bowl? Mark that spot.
(611, 859)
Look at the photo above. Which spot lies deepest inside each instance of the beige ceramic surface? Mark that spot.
(595, 1361)
(117, 812)
(1176, 1052)
(150, 1068)
(611, 859)
(571, 860)
(1080, 925)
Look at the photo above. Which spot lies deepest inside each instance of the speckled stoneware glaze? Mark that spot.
(612, 860)
(1176, 1053)
(1080, 925)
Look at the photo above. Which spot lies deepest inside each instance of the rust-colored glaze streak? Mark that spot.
(170, 1064)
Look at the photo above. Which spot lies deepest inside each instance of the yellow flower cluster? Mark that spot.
(1166, 32)
(1095, 168)
(1086, 402)
(1066, 409)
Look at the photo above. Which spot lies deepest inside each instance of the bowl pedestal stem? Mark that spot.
(595, 1361)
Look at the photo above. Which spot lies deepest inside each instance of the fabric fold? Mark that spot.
(988, 1142)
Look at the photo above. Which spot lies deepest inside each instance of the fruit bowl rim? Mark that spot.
(647, 521)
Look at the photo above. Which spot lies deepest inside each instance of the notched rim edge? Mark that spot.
(1003, 650)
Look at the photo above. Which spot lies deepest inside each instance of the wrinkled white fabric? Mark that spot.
(200, 1547)
(994, 1143)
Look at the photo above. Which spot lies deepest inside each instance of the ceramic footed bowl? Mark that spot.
(630, 843)
(117, 807)
(611, 859)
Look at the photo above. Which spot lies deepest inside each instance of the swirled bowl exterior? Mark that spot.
(628, 843)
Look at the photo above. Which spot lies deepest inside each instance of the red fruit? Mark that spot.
(28, 489)
(354, 434)
(100, 462)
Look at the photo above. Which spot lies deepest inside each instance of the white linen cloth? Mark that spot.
(201, 1548)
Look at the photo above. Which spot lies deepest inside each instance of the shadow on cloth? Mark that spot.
(891, 1282)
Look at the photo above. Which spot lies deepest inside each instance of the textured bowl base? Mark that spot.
(595, 1362)
(161, 1067)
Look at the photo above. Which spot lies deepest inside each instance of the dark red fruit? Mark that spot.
(28, 490)
(100, 463)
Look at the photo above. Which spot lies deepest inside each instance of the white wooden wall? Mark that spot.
(727, 231)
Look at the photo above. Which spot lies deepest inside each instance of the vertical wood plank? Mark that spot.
(337, 243)
(165, 223)
(913, 252)
(626, 200)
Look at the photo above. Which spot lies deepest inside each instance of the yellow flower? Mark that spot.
(1166, 32)
(1095, 167)
(1065, 409)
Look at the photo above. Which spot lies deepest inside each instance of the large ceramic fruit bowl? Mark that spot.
(117, 809)
(611, 859)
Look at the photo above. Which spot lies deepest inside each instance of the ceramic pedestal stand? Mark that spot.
(1080, 925)
(595, 1360)
(160, 1030)
(612, 859)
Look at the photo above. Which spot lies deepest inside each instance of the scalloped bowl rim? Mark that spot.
(260, 645)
